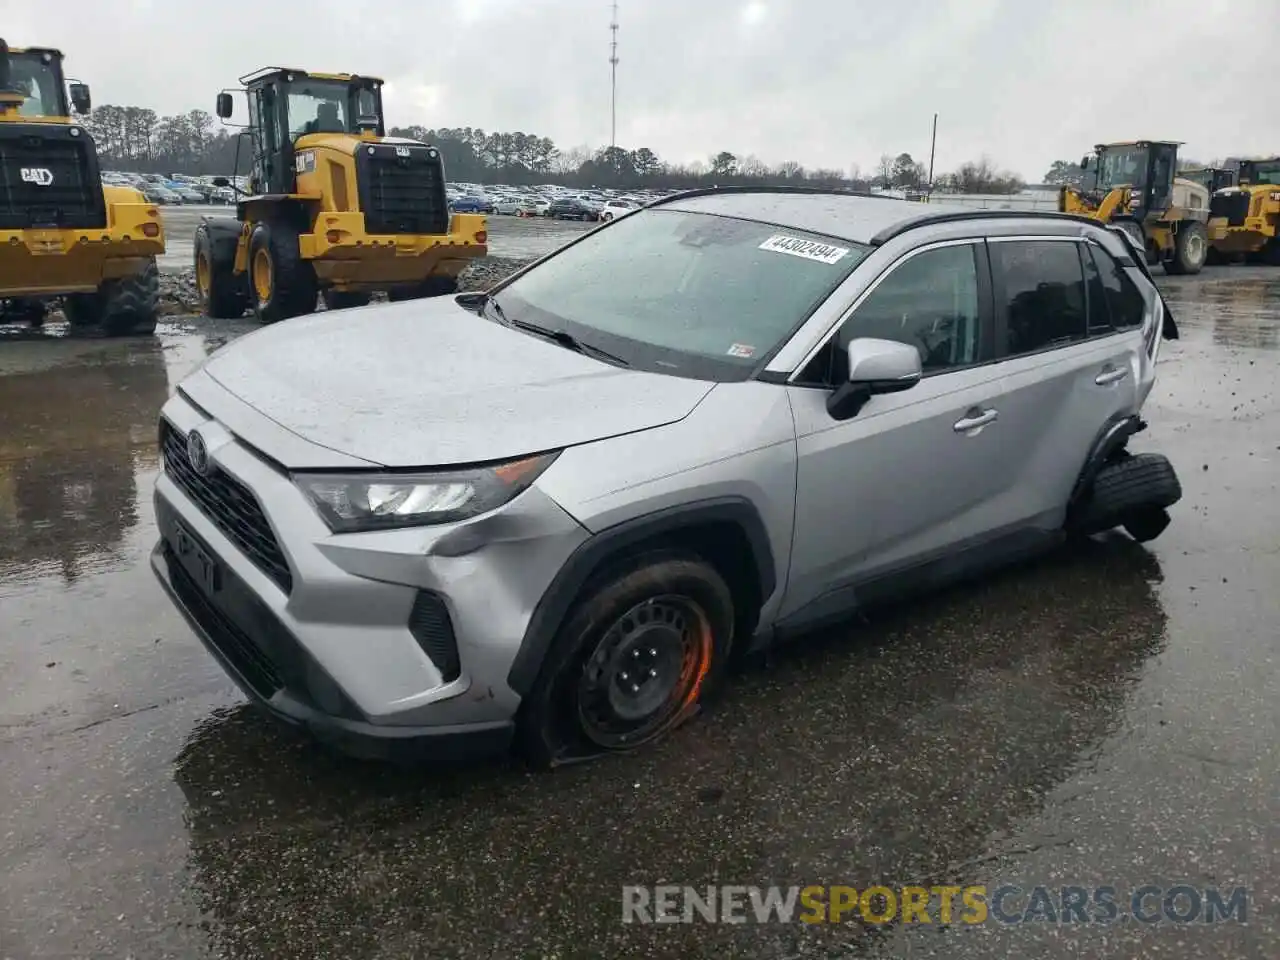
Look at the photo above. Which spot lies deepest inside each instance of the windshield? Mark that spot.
(1122, 167)
(685, 293)
(1268, 172)
(40, 80)
(325, 106)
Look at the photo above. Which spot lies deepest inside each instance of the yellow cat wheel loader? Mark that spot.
(1244, 220)
(63, 235)
(335, 206)
(1135, 188)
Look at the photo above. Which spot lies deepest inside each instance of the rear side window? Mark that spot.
(1043, 290)
(1125, 307)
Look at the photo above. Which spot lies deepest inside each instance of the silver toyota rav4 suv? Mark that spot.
(552, 513)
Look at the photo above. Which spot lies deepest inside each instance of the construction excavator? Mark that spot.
(1135, 187)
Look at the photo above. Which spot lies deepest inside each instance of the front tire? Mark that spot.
(223, 295)
(1190, 249)
(122, 307)
(281, 283)
(632, 662)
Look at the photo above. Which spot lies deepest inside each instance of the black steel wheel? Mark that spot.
(634, 660)
(644, 670)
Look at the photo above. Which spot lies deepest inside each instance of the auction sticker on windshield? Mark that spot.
(809, 249)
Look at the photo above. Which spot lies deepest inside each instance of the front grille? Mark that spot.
(430, 625)
(1233, 206)
(234, 644)
(229, 504)
(49, 178)
(401, 194)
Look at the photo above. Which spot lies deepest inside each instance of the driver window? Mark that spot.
(929, 301)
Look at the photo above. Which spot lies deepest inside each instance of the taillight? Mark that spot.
(482, 236)
(151, 229)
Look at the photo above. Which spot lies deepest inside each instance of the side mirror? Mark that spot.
(225, 107)
(875, 366)
(1084, 162)
(80, 98)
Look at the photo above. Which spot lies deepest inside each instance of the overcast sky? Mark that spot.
(825, 82)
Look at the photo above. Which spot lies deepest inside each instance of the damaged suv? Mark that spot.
(553, 512)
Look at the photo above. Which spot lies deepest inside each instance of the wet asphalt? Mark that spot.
(1109, 715)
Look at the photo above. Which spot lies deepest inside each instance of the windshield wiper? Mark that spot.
(566, 339)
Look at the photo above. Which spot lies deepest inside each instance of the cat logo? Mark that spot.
(402, 151)
(40, 176)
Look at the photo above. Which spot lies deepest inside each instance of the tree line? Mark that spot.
(138, 139)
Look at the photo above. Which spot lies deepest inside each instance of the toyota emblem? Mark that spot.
(198, 453)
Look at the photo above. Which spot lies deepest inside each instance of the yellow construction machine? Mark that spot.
(1244, 220)
(62, 233)
(335, 207)
(1212, 179)
(1135, 188)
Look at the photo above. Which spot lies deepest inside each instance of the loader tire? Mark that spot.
(281, 283)
(1132, 491)
(223, 295)
(1190, 249)
(430, 287)
(129, 305)
(344, 299)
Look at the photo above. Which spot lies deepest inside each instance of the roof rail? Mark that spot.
(816, 191)
(954, 216)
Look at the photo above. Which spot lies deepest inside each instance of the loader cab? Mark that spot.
(286, 105)
(33, 88)
(1212, 179)
(1254, 172)
(1147, 167)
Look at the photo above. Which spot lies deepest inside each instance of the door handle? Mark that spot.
(1111, 375)
(974, 419)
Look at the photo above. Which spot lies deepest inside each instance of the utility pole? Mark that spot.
(933, 144)
(613, 78)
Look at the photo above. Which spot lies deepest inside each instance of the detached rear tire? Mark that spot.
(1191, 249)
(281, 283)
(128, 305)
(632, 662)
(1132, 492)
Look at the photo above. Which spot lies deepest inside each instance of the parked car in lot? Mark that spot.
(727, 419)
(470, 204)
(571, 208)
(613, 209)
(512, 206)
(158, 194)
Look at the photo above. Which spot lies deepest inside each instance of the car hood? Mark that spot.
(427, 383)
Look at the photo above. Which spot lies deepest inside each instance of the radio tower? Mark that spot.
(613, 78)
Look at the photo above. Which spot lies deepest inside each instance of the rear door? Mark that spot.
(1068, 372)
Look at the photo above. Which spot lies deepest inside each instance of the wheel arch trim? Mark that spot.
(557, 600)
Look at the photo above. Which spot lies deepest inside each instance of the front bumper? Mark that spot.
(242, 659)
(331, 642)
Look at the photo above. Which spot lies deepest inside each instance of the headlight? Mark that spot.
(367, 501)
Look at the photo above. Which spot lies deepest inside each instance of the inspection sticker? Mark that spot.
(741, 350)
(809, 249)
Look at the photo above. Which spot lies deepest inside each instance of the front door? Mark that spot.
(914, 474)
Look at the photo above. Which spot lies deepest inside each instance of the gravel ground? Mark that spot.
(178, 289)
